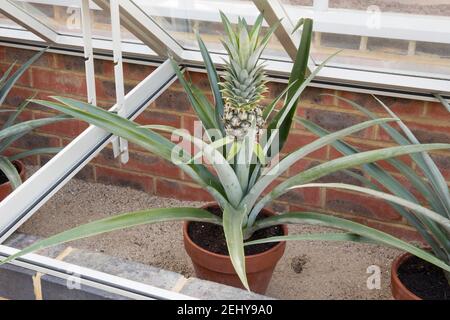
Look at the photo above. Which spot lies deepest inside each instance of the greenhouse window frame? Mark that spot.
(91, 278)
(162, 44)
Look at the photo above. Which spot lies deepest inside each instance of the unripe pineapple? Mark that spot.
(244, 82)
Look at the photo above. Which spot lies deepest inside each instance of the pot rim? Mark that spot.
(398, 261)
(222, 256)
(21, 173)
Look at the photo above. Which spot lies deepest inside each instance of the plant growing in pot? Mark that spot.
(411, 277)
(12, 170)
(243, 166)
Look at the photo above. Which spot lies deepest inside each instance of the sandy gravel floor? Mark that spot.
(308, 270)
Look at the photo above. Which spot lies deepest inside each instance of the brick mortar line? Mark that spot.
(392, 223)
(191, 184)
(333, 108)
(425, 58)
(425, 121)
(76, 72)
(368, 142)
(81, 74)
(396, 224)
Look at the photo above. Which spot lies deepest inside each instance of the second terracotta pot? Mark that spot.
(6, 188)
(399, 291)
(218, 268)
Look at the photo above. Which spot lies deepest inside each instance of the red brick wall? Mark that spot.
(56, 74)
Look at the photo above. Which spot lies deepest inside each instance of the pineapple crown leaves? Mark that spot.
(244, 79)
(246, 44)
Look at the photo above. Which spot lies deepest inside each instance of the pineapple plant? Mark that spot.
(244, 82)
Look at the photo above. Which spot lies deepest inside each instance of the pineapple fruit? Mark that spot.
(244, 83)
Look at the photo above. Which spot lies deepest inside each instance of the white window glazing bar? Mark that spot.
(64, 3)
(30, 23)
(120, 145)
(320, 5)
(41, 186)
(398, 81)
(273, 11)
(89, 277)
(88, 52)
(145, 29)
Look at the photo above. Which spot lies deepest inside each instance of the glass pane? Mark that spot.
(299, 2)
(401, 37)
(6, 22)
(423, 7)
(180, 19)
(66, 19)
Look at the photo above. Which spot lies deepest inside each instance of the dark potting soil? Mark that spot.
(424, 279)
(211, 237)
(3, 178)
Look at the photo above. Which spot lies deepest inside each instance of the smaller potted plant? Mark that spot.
(12, 169)
(242, 178)
(412, 278)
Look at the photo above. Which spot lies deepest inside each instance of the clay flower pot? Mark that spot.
(6, 188)
(399, 291)
(218, 268)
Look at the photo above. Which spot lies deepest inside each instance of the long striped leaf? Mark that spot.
(29, 125)
(7, 86)
(340, 164)
(297, 78)
(202, 109)
(313, 237)
(119, 222)
(232, 227)
(286, 112)
(349, 226)
(10, 172)
(218, 144)
(133, 132)
(33, 152)
(214, 83)
(7, 73)
(423, 160)
(14, 116)
(270, 107)
(224, 171)
(391, 183)
(428, 166)
(295, 156)
(385, 196)
(6, 142)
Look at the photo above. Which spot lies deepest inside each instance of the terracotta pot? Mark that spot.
(399, 291)
(218, 268)
(5, 188)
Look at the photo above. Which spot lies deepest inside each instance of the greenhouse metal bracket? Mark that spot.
(120, 145)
